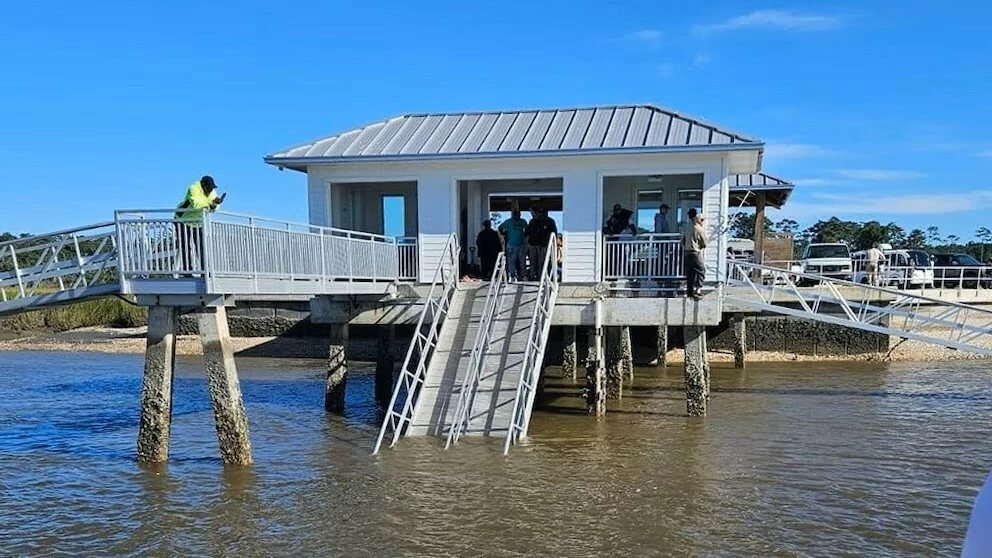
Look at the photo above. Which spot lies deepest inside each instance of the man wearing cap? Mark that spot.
(693, 248)
(661, 225)
(200, 196)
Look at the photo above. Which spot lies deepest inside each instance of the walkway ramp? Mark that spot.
(58, 268)
(883, 310)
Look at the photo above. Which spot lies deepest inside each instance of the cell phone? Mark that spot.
(222, 196)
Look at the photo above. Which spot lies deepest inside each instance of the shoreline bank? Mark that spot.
(132, 341)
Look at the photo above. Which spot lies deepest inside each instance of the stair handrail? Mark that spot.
(438, 300)
(471, 379)
(537, 335)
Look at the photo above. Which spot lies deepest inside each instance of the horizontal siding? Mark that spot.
(579, 261)
(712, 202)
(431, 251)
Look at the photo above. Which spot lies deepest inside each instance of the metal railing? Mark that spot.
(471, 380)
(537, 338)
(408, 258)
(64, 264)
(408, 385)
(218, 246)
(651, 257)
(867, 307)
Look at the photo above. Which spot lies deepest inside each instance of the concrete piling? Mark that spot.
(661, 347)
(156, 388)
(614, 364)
(595, 391)
(706, 366)
(695, 370)
(384, 365)
(224, 387)
(569, 355)
(740, 340)
(337, 369)
(626, 354)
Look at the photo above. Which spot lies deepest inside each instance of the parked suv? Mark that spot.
(827, 259)
(903, 269)
(960, 270)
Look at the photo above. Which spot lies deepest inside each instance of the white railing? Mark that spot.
(220, 246)
(408, 258)
(877, 309)
(472, 378)
(647, 257)
(537, 338)
(408, 385)
(58, 262)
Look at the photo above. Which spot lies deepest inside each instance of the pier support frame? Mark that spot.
(337, 369)
(614, 363)
(626, 354)
(384, 364)
(569, 353)
(696, 366)
(224, 387)
(156, 389)
(595, 391)
(740, 340)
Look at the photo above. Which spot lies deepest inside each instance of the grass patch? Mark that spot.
(107, 312)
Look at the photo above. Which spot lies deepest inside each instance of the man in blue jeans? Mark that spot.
(513, 232)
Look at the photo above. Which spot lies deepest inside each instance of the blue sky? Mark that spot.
(878, 110)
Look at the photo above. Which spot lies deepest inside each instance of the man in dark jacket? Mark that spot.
(539, 232)
(489, 245)
(619, 222)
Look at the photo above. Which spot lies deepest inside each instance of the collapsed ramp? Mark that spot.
(881, 310)
(58, 268)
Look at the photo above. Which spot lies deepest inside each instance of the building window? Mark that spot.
(394, 215)
(648, 202)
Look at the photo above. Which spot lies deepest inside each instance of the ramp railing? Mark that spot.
(58, 266)
(402, 404)
(867, 307)
(470, 381)
(537, 339)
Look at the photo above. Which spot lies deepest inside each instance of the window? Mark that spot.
(648, 202)
(688, 199)
(393, 215)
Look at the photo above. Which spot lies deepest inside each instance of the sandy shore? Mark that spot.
(132, 341)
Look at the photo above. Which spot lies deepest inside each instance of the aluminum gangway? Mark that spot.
(477, 372)
(884, 310)
(151, 252)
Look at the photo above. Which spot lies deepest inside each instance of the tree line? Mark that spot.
(862, 235)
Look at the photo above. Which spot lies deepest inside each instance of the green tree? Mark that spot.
(984, 235)
(933, 236)
(916, 239)
(788, 226)
(871, 233)
(742, 225)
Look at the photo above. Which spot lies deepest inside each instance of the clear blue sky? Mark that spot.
(876, 109)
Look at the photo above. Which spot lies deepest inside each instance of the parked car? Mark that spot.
(902, 269)
(960, 270)
(827, 259)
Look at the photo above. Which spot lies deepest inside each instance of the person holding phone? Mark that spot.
(200, 196)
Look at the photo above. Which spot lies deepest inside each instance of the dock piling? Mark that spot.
(337, 369)
(595, 391)
(740, 340)
(156, 389)
(384, 364)
(695, 370)
(626, 354)
(569, 354)
(224, 387)
(614, 364)
(662, 347)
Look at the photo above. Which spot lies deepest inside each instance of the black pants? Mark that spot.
(488, 263)
(189, 244)
(695, 272)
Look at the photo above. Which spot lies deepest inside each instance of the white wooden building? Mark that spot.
(449, 171)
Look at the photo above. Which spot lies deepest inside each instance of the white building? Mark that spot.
(449, 171)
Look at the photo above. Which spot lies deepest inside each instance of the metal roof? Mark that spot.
(610, 129)
(744, 186)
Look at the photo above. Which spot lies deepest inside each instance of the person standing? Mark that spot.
(200, 196)
(693, 248)
(489, 245)
(661, 225)
(513, 231)
(539, 232)
(873, 261)
(619, 222)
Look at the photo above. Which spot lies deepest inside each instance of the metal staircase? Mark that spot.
(871, 308)
(58, 268)
(423, 347)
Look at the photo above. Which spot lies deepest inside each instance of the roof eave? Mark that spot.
(289, 162)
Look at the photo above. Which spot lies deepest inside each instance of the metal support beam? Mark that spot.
(695, 370)
(224, 387)
(337, 369)
(156, 389)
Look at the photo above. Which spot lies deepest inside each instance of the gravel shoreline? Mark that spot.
(132, 341)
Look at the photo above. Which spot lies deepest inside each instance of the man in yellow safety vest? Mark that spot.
(200, 196)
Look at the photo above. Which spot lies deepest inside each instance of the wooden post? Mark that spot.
(337, 369)
(759, 228)
(156, 388)
(224, 387)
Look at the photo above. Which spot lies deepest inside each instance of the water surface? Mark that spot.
(794, 460)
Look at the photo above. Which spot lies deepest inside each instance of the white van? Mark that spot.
(831, 259)
(902, 269)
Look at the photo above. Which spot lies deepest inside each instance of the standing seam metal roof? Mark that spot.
(528, 131)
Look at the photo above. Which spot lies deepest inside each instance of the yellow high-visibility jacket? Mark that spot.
(196, 199)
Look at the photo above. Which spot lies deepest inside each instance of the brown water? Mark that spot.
(794, 460)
